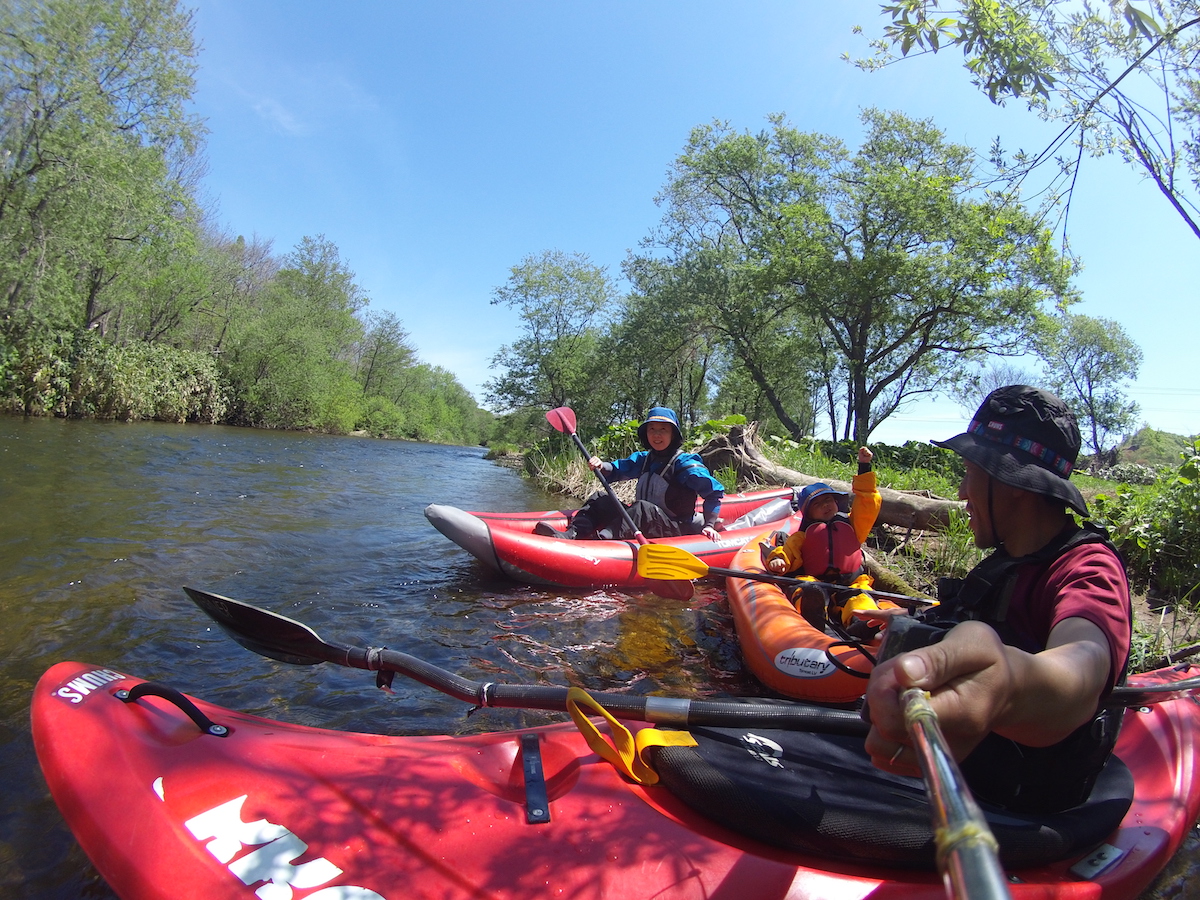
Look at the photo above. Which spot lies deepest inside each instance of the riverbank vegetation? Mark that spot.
(793, 279)
(119, 297)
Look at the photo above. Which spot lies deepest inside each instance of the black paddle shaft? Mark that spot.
(278, 637)
(612, 495)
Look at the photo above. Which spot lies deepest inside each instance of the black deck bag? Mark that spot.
(820, 795)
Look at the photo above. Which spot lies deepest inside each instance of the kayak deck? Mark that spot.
(164, 809)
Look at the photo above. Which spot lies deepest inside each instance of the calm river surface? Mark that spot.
(101, 524)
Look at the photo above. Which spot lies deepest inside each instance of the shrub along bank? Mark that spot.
(79, 374)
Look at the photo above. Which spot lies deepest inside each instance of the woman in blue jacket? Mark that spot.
(669, 483)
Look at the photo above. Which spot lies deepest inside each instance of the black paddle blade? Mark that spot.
(563, 419)
(267, 633)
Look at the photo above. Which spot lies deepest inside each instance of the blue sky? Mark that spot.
(438, 144)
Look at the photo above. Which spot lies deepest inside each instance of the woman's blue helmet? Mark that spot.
(660, 414)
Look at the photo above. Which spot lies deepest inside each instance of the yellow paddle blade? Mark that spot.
(666, 563)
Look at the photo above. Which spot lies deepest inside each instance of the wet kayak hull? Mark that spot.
(165, 809)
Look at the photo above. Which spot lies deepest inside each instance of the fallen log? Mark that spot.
(739, 451)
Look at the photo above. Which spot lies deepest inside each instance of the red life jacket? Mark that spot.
(832, 551)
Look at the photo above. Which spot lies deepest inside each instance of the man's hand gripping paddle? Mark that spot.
(967, 852)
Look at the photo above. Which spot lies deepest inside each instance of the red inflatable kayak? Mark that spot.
(226, 805)
(506, 542)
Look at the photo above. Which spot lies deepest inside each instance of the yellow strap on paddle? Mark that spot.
(625, 752)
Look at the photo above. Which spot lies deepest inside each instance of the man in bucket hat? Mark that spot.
(1039, 631)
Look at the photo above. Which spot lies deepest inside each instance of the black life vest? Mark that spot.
(661, 489)
(832, 551)
(1002, 771)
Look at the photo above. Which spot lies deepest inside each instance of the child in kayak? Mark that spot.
(828, 544)
(669, 482)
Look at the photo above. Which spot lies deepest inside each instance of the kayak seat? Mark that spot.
(771, 511)
(819, 794)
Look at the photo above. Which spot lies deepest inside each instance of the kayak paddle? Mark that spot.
(280, 638)
(967, 852)
(668, 561)
(286, 640)
(562, 418)
(966, 847)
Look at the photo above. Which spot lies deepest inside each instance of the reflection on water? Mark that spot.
(103, 523)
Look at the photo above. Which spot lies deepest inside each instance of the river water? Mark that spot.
(103, 523)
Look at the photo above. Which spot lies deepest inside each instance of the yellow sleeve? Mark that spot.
(790, 551)
(865, 507)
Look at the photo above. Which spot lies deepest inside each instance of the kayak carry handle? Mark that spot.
(152, 689)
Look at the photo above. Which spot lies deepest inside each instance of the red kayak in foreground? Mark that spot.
(506, 542)
(174, 798)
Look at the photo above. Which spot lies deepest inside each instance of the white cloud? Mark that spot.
(278, 115)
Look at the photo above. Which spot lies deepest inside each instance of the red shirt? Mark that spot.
(1087, 582)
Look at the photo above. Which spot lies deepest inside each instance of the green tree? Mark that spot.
(160, 290)
(1119, 77)
(660, 351)
(1087, 360)
(383, 355)
(238, 274)
(1153, 448)
(290, 356)
(975, 385)
(878, 275)
(1158, 529)
(564, 302)
(316, 276)
(723, 207)
(96, 149)
(438, 408)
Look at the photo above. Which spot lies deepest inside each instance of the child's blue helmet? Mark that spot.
(820, 489)
(660, 414)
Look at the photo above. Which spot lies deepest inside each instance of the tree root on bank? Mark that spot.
(739, 451)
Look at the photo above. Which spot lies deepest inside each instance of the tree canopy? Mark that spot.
(1120, 78)
(97, 149)
(1087, 360)
(119, 298)
(792, 278)
(564, 302)
(848, 280)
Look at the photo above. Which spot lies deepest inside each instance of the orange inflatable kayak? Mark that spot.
(782, 649)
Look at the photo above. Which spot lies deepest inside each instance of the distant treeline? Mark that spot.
(120, 299)
(293, 349)
(792, 279)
